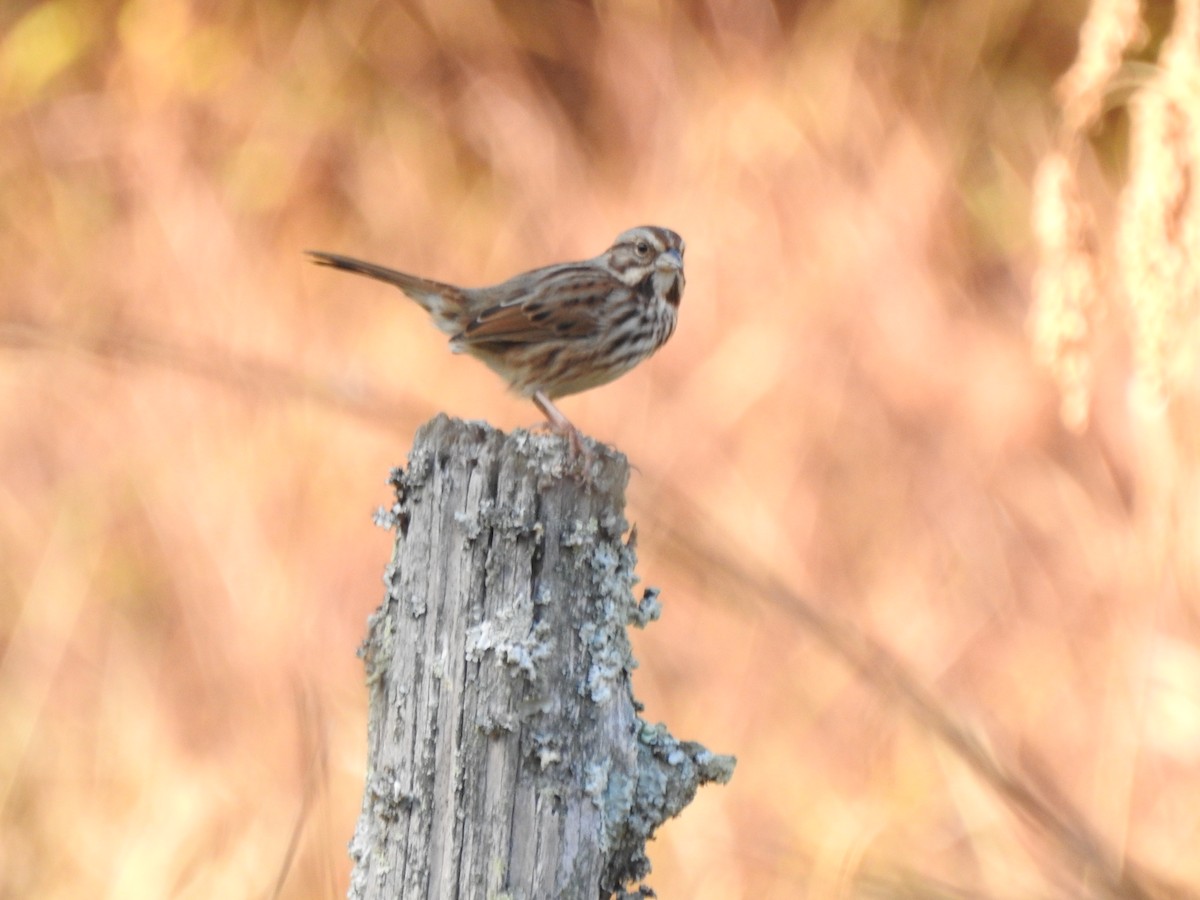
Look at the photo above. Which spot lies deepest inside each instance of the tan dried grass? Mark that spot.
(1068, 293)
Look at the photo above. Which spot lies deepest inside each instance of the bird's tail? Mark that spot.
(444, 302)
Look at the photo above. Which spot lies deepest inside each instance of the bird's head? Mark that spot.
(650, 258)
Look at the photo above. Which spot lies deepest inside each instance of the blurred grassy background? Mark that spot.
(197, 424)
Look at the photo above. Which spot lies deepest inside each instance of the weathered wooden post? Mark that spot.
(506, 758)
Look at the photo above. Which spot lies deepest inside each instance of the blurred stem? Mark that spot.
(217, 365)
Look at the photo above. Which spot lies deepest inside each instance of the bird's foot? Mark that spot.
(582, 457)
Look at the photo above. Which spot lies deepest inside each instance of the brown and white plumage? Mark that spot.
(560, 329)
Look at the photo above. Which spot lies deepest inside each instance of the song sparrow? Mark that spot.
(563, 328)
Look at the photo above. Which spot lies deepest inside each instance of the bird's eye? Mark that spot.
(642, 248)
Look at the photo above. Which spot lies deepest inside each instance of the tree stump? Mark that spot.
(506, 758)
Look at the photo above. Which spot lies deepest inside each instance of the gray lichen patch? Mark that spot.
(523, 654)
(611, 790)
(599, 469)
(580, 533)
(475, 522)
(647, 610)
(610, 659)
(670, 772)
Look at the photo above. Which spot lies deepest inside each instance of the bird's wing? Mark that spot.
(556, 303)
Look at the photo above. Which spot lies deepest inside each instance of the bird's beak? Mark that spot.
(671, 261)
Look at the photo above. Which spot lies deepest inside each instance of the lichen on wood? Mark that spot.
(506, 757)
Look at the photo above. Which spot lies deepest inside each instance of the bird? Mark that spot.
(562, 328)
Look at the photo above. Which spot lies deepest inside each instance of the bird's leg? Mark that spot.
(559, 423)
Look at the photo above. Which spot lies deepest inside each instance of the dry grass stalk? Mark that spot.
(1159, 226)
(1066, 288)
(1159, 234)
(1110, 28)
(1157, 248)
(1067, 297)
